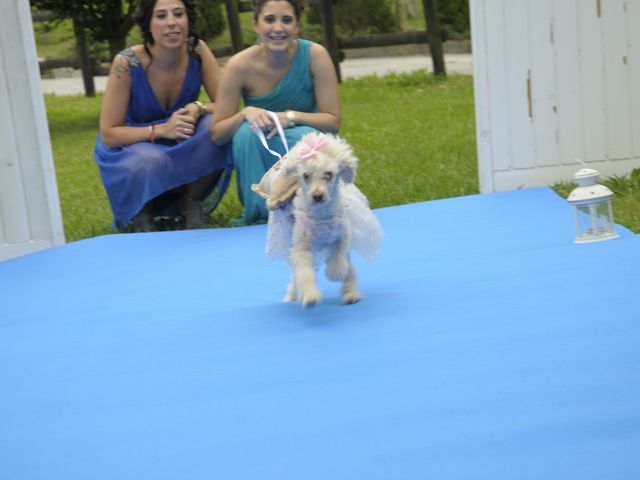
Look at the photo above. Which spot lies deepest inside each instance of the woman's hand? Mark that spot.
(284, 121)
(193, 110)
(260, 118)
(180, 126)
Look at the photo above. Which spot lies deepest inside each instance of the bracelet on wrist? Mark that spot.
(291, 118)
(152, 133)
(202, 108)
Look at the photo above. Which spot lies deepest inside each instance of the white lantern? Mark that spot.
(592, 208)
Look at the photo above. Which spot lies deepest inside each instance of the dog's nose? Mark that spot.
(317, 197)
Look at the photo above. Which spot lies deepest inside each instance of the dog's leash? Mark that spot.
(285, 185)
(258, 131)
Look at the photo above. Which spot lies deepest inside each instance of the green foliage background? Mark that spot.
(358, 17)
(454, 17)
(413, 133)
(212, 20)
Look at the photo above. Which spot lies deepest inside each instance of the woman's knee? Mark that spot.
(148, 162)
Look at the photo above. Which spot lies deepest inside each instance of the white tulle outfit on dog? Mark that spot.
(353, 213)
(365, 230)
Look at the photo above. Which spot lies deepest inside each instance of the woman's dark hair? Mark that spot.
(298, 6)
(144, 12)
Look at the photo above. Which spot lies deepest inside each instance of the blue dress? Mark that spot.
(135, 174)
(294, 92)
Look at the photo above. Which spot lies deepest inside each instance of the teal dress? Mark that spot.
(294, 92)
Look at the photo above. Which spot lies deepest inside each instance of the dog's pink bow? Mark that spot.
(314, 143)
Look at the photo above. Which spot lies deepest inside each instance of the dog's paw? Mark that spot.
(310, 297)
(291, 294)
(350, 297)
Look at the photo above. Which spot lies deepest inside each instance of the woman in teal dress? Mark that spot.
(293, 77)
(154, 150)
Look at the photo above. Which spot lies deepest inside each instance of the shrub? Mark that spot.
(454, 17)
(358, 16)
(211, 22)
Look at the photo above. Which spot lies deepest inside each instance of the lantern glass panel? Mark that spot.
(594, 221)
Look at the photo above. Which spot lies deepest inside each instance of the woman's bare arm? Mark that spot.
(114, 108)
(228, 118)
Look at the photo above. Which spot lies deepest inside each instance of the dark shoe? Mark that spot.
(143, 222)
(190, 210)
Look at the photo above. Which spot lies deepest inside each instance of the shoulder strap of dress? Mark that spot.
(304, 45)
(195, 49)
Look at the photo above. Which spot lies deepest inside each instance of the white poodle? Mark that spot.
(326, 218)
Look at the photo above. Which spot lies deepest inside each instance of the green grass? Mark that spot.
(414, 135)
(73, 125)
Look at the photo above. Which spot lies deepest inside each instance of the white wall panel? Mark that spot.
(519, 77)
(592, 80)
(29, 207)
(543, 87)
(497, 90)
(555, 80)
(567, 71)
(632, 9)
(486, 141)
(14, 227)
(617, 81)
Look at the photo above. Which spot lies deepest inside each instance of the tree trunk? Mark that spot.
(119, 27)
(233, 21)
(330, 39)
(434, 36)
(401, 15)
(85, 59)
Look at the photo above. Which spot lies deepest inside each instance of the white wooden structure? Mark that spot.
(555, 80)
(30, 217)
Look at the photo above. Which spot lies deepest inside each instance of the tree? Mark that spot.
(211, 19)
(401, 15)
(105, 20)
(359, 16)
(454, 16)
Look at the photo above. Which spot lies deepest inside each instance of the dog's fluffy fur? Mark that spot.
(319, 220)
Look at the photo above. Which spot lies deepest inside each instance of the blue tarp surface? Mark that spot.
(488, 346)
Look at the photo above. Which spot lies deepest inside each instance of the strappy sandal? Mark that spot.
(190, 210)
(143, 221)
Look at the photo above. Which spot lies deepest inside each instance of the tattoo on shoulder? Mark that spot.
(120, 70)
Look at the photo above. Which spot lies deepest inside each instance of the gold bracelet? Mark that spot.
(202, 107)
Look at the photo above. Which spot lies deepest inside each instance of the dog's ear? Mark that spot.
(341, 151)
(348, 169)
(291, 164)
(282, 186)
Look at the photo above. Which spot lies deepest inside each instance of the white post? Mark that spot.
(30, 217)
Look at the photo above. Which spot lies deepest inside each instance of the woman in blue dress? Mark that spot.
(293, 77)
(154, 150)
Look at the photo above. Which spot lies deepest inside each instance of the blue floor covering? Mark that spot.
(488, 346)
